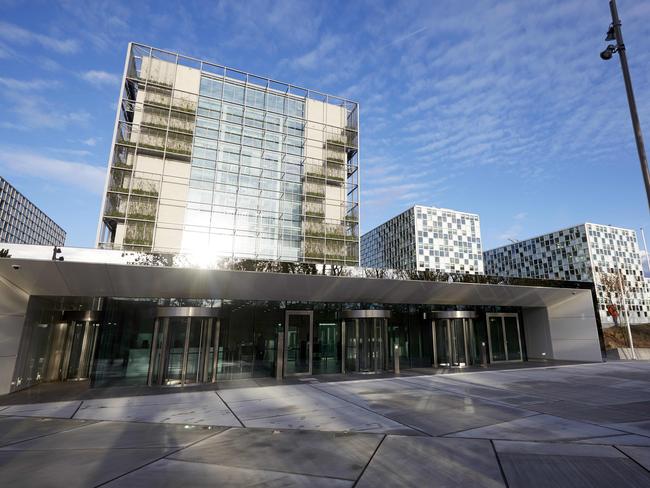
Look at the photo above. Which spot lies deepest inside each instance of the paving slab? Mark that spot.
(52, 409)
(619, 440)
(199, 408)
(16, 429)
(640, 454)
(346, 418)
(337, 455)
(71, 468)
(304, 407)
(170, 473)
(441, 462)
(538, 428)
(536, 464)
(469, 389)
(120, 435)
(434, 412)
(641, 428)
(556, 449)
(601, 414)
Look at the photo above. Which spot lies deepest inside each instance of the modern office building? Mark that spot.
(124, 318)
(217, 162)
(586, 252)
(22, 222)
(426, 239)
(256, 182)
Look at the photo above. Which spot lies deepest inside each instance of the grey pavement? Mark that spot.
(574, 425)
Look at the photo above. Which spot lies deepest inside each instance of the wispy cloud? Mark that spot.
(14, 34)
(513, 232)
(31, 111)
(91, 141)
(318, 56)
(100, 78)
(82, 176)
(27, 85)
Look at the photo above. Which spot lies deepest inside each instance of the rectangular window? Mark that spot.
(295, 107)
(233, 93)
(275, 103)
(210, 87)
(255, 98)
(254, 118)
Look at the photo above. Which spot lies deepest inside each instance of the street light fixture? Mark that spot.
(615, 34)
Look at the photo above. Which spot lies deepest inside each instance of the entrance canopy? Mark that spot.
(82, 275)
(351, 314)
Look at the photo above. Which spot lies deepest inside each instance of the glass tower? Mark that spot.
(22, 222)
(216, 162)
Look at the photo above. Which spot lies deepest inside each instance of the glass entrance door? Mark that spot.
(72, 350)
(366, 348)
(450, 341)
(504, 337)
(298, 342)
(183, 350)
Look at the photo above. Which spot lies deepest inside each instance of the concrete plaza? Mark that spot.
(570, 425)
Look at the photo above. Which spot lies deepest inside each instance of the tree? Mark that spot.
(614, 287)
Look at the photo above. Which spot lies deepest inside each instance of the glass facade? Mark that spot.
(21, 221)
(216, 162)
(118, 342)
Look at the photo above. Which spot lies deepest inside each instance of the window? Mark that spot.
(211, 88)
(295, 107)
(275, 103)
(233, 93)
(255, 98)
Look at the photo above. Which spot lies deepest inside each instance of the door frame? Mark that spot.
(466, 325)
(158, 359)
(285, 353)
(502, 316)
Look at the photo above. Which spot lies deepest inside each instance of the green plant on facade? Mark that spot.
(137, 241)
(114, 213)
(184, 106)
(143, 192)
(142, 216)
(158, 147)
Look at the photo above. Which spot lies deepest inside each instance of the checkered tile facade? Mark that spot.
(426, 239)
(585, 252)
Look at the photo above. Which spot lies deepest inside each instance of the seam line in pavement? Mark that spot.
(270, 470)
(230, 409)
(496, 455)
(373, 412)
(77, 409)
(157, 459)
(532, 408)
(488, 425)
(88, 422)
(369, 461)
(631, 458)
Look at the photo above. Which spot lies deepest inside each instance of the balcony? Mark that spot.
(114, 214)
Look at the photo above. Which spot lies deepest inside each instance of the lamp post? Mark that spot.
(614, 34)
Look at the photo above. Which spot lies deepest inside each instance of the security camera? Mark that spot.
(15, 266)
(608, 52)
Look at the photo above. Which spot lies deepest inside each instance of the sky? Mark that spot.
(501, 108)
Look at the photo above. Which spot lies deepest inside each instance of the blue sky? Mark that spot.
(502, 108)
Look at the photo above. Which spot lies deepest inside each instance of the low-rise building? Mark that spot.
(426, 239)
(585, 252)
